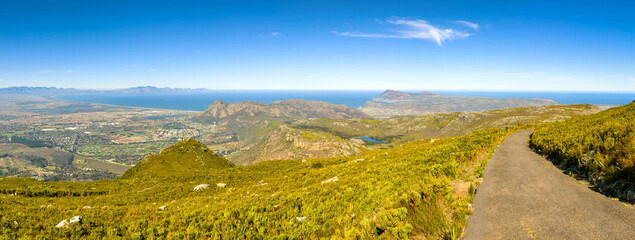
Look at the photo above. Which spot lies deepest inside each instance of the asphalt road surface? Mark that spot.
(524, 196)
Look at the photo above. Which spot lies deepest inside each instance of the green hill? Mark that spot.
(599, 148)
(421, 189)
(188, 156)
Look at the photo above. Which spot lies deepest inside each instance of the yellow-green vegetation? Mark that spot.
(598, 147)
(186, 157)
(420, 189)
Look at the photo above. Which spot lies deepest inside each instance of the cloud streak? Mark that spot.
(469, 24)
(418, 29)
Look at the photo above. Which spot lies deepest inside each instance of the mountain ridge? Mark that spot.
(294, 108)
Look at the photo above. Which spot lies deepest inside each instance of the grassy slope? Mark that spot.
(598, 147)
(416, 189)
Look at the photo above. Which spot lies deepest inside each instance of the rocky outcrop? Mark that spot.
(66, 223)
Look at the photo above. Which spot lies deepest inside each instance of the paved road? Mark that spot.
(523, 196)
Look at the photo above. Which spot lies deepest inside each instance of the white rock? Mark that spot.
(87, 207)
(202, 186)
(15, 223)
(300, 219)
(330, 180)
(163, 208)
(66, 223)
(63, 223)
(303, 160)
(221, 185)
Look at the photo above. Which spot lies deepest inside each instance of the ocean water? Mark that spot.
(353, 99)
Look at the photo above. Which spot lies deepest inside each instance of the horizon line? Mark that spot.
(317, 89)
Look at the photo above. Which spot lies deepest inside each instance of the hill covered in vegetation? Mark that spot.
(421, 189)
(599, 148)
(188, 156)
(226, 113)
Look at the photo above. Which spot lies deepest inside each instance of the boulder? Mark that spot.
(221, 185)
(202, 186)
(300, 219)
(66, 223)
(163, 208)
(330, 180)
(63, 223)
(76, 219)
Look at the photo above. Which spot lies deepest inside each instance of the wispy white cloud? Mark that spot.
(417, 29)
(275, 34)
(633, 79)
(56, 71)
(469, 24)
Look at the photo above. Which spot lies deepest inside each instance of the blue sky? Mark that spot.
(460, 45)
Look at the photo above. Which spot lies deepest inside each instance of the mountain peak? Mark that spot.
(219, 102)
(188, 156)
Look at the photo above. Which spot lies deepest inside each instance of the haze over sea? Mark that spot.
(351, 98)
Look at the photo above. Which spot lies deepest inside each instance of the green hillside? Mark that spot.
(420, 189)
(188, 156)
(599, 148)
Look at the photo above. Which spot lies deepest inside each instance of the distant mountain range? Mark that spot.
(64, 91)
(395, 103)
